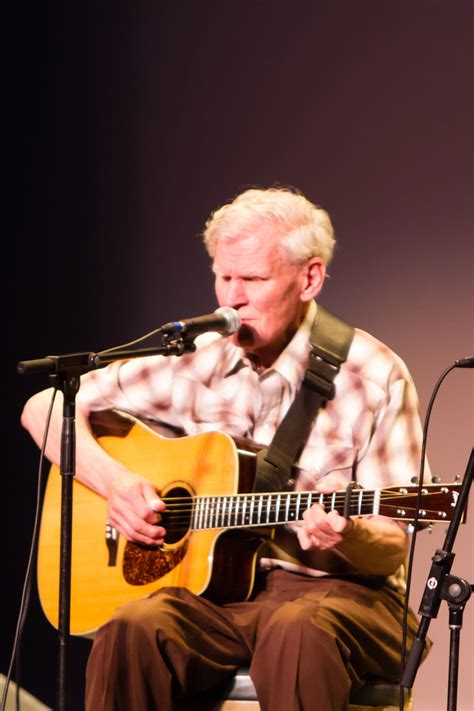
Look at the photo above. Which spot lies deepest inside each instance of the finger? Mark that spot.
(156, 504)
(314, 517)
(135, 537)
(310, 541)
(323, 527)
(315, 513)
(304, 539)
(337, 522)
(330, 483)
(135, 529)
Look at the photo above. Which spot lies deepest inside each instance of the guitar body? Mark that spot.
(107, 573)
(215, 523)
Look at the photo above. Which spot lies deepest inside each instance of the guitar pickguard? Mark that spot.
(142, 565)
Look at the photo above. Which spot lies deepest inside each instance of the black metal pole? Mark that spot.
(69, 387)
(454, 619)
(440, 585)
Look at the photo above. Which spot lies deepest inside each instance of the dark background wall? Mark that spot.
(129, 122)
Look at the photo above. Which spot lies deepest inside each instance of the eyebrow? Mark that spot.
(246, 275)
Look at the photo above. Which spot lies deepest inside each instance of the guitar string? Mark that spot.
(369, 495)
(210, 509)
(185, 501)
(177, 520)
(273, 513)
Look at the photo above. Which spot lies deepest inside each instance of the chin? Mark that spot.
(245, 337)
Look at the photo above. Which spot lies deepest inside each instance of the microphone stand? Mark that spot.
(64, 372)
(441, 585)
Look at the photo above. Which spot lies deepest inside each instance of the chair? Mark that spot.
(239, 695)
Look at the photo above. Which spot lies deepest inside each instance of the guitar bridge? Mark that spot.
(111, 541)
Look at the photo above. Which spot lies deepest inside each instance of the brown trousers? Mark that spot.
(306, 640)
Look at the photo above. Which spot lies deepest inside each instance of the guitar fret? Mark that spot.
(226, 521)
(277, 507)
(359, 507)
(298, 505)
(207, 512)
(287, 514)
(201, 513)
(260, 505)
(223, 515)
(252, 506)
(333, 501)
(229, 512)
(269, 503)
(196, 513)
(376, 502)
(218, 510)
(244, 509)
(236, 512)
(211, 512)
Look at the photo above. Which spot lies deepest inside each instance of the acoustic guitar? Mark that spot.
(215, 524)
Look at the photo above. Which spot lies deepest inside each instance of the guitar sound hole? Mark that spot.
(177, 516)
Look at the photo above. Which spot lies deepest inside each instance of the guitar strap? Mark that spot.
(330, 339)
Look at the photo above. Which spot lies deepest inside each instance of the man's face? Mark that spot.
(254, 276)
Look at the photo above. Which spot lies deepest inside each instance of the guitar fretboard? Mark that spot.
(246, 510)
(198, 513)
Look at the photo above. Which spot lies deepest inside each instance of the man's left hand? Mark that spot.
(320, 529)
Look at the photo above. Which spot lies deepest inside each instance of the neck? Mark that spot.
(257, 364)
(264, 358)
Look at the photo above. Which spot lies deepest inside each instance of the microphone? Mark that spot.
(465, 362)
(224, 320)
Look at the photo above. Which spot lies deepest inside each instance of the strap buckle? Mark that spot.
(321, 371)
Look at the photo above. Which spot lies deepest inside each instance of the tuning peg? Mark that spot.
(435, 479)
(415, 480)
(457, 477)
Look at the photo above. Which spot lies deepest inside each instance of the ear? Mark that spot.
(313, 278)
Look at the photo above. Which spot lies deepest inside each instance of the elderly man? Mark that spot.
(326, 609)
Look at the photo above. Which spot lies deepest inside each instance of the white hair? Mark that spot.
(305, 230)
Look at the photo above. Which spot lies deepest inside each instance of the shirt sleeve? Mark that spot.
(393, 455)
(142, 386)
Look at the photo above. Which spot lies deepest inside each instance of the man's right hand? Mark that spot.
(134, 509)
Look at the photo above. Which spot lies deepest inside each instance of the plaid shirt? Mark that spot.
(372, 426)
(373, 422)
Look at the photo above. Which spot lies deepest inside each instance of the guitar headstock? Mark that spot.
(437, 502)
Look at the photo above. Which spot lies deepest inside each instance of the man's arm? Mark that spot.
(133, 502)
(376, 545)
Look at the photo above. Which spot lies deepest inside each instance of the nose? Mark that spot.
(236, 293)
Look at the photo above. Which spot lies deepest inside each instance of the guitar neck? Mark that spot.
(246, 510)
(436, 503)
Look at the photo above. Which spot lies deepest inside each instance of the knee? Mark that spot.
(144, 615)
(292, 617)
(297, 658)
(300, 625)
